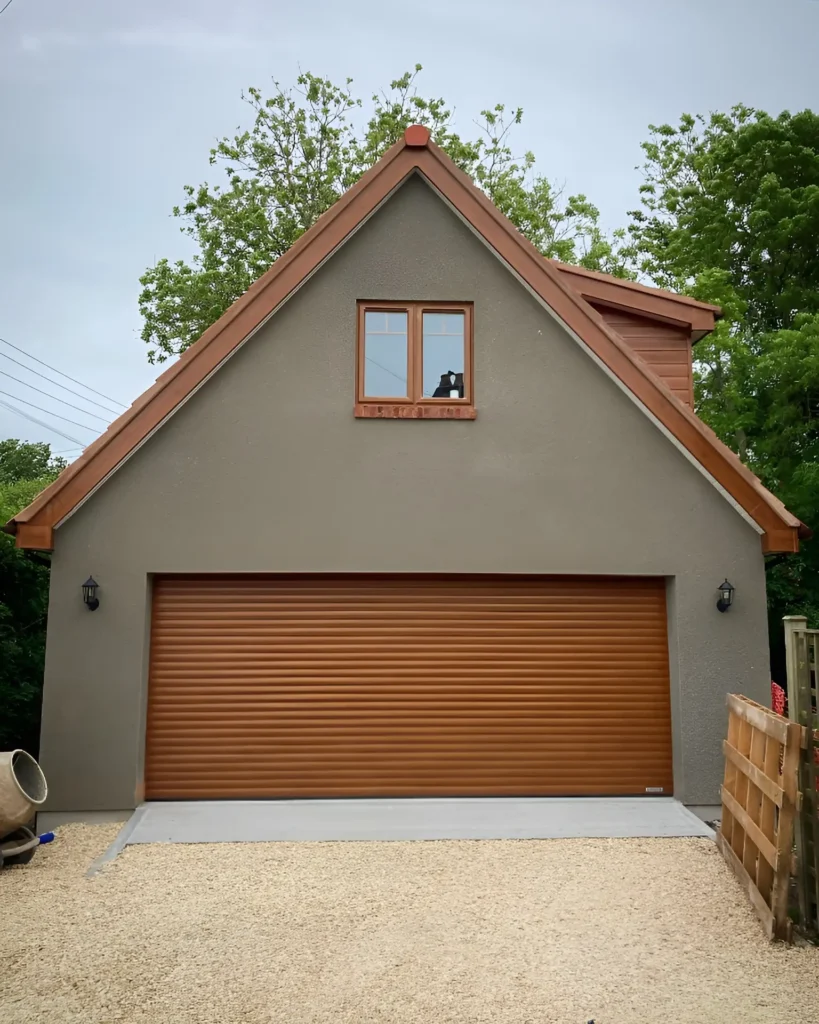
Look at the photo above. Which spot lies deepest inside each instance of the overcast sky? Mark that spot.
(107, 109)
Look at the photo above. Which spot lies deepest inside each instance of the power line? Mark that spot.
(57, 384)
(39, 391)
(55, 370)
(386, 369)
(39, 408)
(7, 5)
(28, 416)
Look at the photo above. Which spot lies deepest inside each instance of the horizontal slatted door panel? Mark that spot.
(407, 686)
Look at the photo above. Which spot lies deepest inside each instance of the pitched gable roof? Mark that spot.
(414, 153)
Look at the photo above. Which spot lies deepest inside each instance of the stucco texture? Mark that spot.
(265, 469)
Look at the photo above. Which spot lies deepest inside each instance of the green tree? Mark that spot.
(738, 192)
(24, 470)
(730, 214)
(27, 460)
(302, 151)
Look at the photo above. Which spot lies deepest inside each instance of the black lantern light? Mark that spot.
(89, 594)
(726, 596)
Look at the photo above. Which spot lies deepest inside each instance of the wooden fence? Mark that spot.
(759, 803)
(802, 647)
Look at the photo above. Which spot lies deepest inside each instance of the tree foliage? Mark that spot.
(306, 146)
(26, 460)
(24, 470)
(730, 214)
(737, 192)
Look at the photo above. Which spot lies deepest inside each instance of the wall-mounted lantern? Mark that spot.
(89, 594)
(726, 596)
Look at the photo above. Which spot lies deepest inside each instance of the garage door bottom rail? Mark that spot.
(255, 821)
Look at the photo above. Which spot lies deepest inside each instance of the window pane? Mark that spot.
(385, 355)
(444, 323)
(397, 323)
(375, 322)
(444, 350)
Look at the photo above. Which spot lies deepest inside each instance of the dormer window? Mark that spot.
(415, 360)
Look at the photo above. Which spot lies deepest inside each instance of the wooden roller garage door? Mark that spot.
(265, 686)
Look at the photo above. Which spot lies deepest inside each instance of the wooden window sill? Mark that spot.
(373, 411)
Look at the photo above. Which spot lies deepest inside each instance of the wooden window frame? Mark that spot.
(415, 406)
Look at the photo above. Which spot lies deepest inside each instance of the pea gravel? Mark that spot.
(619, 931)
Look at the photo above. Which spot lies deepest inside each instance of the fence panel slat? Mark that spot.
(730, 777)
(761, 778)
(753, 804)
(771, 801)
(758, 716)
(753, 833)
(740, 794)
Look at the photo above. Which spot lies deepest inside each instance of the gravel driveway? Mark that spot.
(620, 930)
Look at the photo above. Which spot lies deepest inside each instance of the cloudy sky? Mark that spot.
(107, 109)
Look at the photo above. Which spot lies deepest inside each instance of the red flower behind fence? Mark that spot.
(778, 699)
(779, 702)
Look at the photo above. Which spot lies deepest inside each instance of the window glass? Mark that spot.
(385, 355)
(443, 355)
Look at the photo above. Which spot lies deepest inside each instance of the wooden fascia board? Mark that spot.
(632, 310)
(654, 307)
(35, 538)
(784, 540)
(642, 301)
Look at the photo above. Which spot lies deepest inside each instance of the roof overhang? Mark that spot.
(696, 317)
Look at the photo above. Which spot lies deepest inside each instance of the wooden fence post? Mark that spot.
(794, 625)
(808, 679)
(800, 711)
